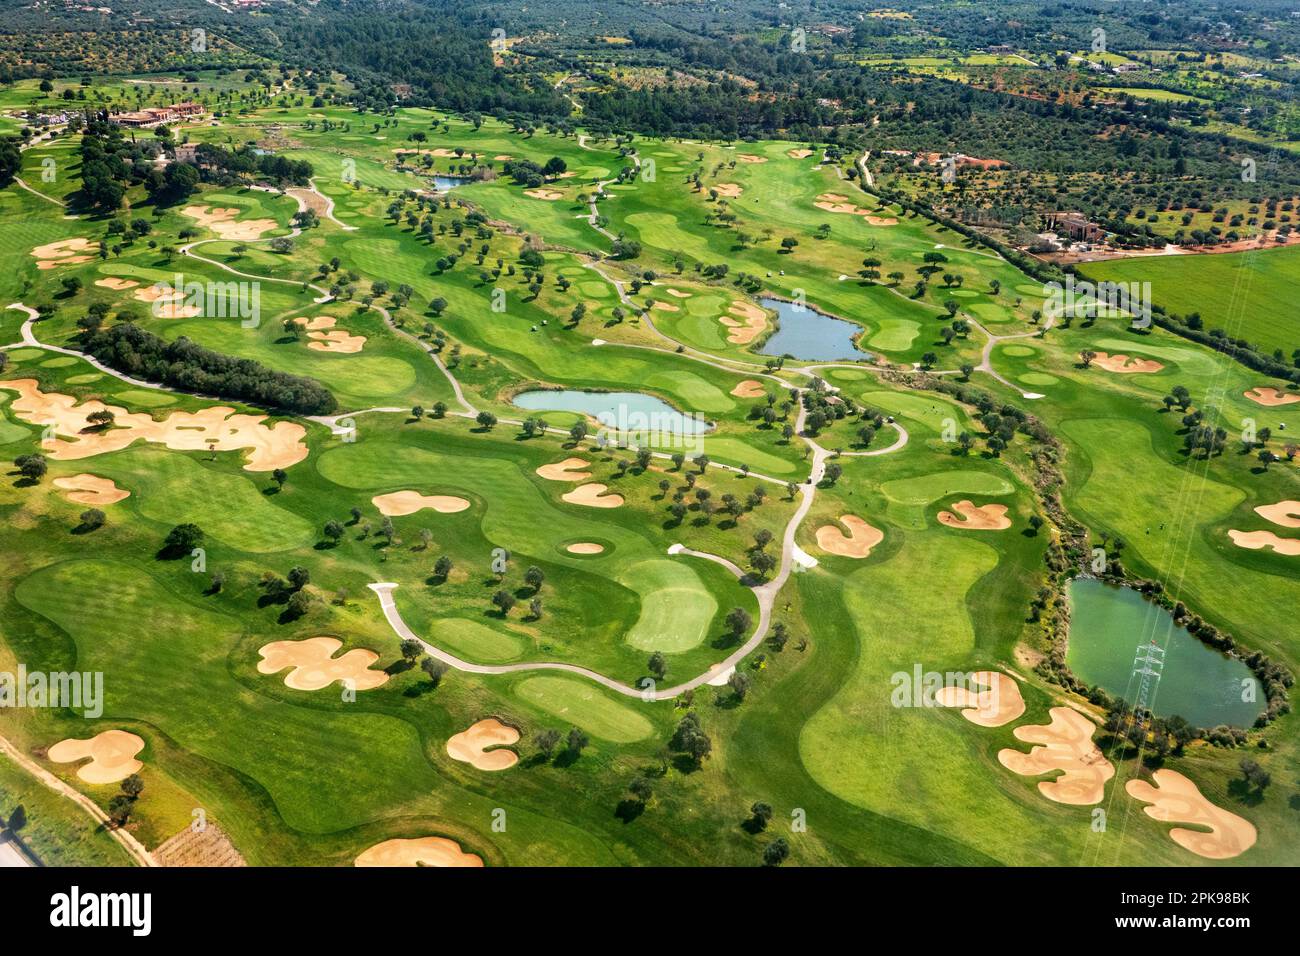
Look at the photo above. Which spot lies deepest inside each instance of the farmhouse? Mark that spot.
(1074, 225)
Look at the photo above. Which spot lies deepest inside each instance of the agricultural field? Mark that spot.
(426, 488)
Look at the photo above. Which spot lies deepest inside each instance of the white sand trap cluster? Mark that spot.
(111, 754)
(749, 388)
(117, 285)
(1125, 364)
(751, 158)
(1270, 397)
(424, 851)
(550, 195)
(471, 746)
(972, 517)
(315, 666)
(398, 503)
(65, 252)
(997, 704)
(834, 202)
(568, 470)
(91, 489)
(1175, 799)
(1285, 514)
(593, 496)
(217, 428)
(338, 340)
(753, 320)
(1065, 745)
(728, 190)
(799, 153)
(858, 543)
(221, 220)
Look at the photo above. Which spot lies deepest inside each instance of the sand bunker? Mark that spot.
(426, 851)
(336, 341)
(593, 496)
(112, 755)
(568, 470)
(744, 332)
(999, 703)
(1284, 513)
(398, 503)
(585, 547)
(666, 307)
(799, 153)
(678, 293)
(117, 285)
(1175, 799)
(218, 428)
(166, 302)
(63, 253)
(503, 157)
(316, 324)
(1122, 363)
(750, 158)
(834, 202)
(861, 538)
(91, 489)
(976, 517)
(1066, 745)
(1271, 397)
(314, 665)
(1256, 540)
(221, 221)
(550, 195)
(470, 746)
(728, 190)
(749, 388)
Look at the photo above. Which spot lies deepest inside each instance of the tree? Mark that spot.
(657, 665)
(740, 683)
(833, 472)
(299, 577)
(279, 476)
(776, 852)
(133, 786)
(442, 568)
(485, 420)
(1255, 775)
(411, 649)
(641, 789)
(504, 601)
(434, 669)
(92, 519)
(738, 622)
(547, 741)
(119, 809)
(761, 813)
(183, 538)
(299, 604)
(333, 530)
(31, 467)
(577, 741)
(534, 577)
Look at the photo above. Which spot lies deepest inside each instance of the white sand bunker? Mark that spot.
(568, 470)
(728, 190)
(316, 324)
(398, 503)
(678, 293)
(426, 851)
(1066, 745)
(834, 202)
(112, 755)
(585, 547)
(221, 220)
(63, 253)
(976, 517)
(1262, 395)
(799, 153)
(471, 746)
(314, 665)
(166, 302)
(336, 341)
(593, 496)
(1258, 540)
(858, 543)
(550, 195)
(1175, 799)
(666, 307)
(751, 158)
(999, 703)
(1284, 513)
(1124, 364)
(91, 489)
(749, 388)
(744, 332)
(117, 285)
(218, 428)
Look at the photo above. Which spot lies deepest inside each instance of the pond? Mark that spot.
(443, 183)
(811, 336)
(631, 412)
(1107, 625)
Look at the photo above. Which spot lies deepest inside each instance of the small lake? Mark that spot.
(621, 411)
(1107, 625)
(443, 183)
(811, 336)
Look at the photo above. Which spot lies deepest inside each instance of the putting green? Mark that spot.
(676, 608)
(895, 335)
(924, 489)
(1037, 378)
(585, 706)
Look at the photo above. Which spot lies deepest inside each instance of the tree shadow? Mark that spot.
(629, 809)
